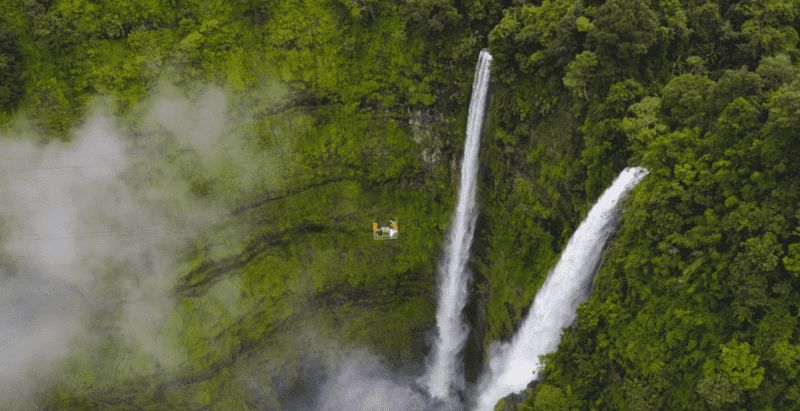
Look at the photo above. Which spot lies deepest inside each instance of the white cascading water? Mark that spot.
(512, 366)
(444, 369)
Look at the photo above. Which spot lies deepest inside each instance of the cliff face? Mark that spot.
(353, 111)
(321, 119)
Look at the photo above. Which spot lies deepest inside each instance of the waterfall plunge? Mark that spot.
(512, 366)
(444, 370)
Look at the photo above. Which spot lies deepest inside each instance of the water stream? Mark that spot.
(444, 374)
(514, 364)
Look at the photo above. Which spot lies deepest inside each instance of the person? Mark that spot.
(393, 228)
(375, 228)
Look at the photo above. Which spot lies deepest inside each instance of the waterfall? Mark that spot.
(444, 368)
(513, 365)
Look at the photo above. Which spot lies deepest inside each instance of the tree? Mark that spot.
(735, 372)
(579, 73)
(625, 29)
(431, 16)
(685, 98)
(549, 397)
(786, 356)
(718, 391)
(770, 27)
(777, 70)
(740, 366)
(792, 260)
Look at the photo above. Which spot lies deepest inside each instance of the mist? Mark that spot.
(93, 231)
(364, 382)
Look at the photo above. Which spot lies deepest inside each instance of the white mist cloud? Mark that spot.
(92, 230)
(363, 382)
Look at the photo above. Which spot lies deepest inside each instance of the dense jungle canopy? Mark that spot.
(360, 107)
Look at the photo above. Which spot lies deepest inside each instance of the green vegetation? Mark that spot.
(341, 103)
(697, 295)
(696, 304)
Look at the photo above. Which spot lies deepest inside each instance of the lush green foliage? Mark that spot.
(696, 300)
(696, 303)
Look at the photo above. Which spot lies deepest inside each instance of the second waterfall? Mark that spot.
(444, 374)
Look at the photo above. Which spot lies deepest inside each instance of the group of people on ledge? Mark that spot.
(384, 232)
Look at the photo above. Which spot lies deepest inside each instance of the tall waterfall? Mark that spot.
(512, 366)
(444, 368)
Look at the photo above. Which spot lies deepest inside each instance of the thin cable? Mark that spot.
(66, 235)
